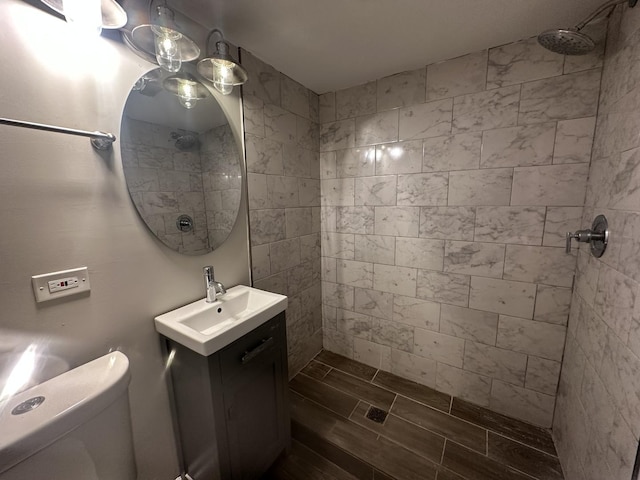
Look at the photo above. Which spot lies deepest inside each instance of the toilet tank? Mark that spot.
(80, 428)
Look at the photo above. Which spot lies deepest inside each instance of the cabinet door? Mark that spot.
(256, 420)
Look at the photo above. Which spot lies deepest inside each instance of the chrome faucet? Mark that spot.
(212, 287)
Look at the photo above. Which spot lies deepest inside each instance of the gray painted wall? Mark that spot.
(64, 205)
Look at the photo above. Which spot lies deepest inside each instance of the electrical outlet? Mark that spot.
(49, 286)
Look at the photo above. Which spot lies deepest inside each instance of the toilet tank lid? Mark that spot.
(70, 399)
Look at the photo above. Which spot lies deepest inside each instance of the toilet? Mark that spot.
(75, 426)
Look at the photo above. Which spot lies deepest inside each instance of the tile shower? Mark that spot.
(432, 205)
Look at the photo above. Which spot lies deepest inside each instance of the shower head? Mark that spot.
(571, 41)
(566, 41)
(185, 141)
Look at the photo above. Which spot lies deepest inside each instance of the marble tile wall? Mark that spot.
(281, 138)
(446, 192)
(597, 421)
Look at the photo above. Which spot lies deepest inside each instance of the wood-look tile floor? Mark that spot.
(426, 435)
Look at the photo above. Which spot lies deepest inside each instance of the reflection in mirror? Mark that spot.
(181, 163)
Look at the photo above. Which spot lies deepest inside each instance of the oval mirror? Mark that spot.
(181, 161)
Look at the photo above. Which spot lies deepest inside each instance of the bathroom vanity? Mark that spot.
(232, 406)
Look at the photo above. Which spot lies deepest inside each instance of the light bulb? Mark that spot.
(167, 47)
(85, 16)
(223, 77)
(188, 94)
(188, 103)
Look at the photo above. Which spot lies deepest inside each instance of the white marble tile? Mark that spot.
(309, 192)
(310, 249)
(546, 265)
(295, 97)
(355, 220)
(328, 167)
(518, 402)
(544, 340)
(329, 269)
(328, 219)
(630, 247)
(480, 187)
(420, 253)
(307, 134)
(267, 226)
(594, 59)
(353, 324)
(314, 107)
(144, 179)
(486, 110)
(522, 225)
(415, 368)
(253, 115)
(337, 342)
(554, 185)
(439, 347)
(337, 295)
(355, 274)
(398, 221)
(462, 384)
(627, 194)
(282, 191)
(297, 221)
(518, 146)
(401, 89)
(377, 128)
(416, 312)
(338, 245)
(615, 301)
(552, 304)
(425, 120)
(263, 155)
(574, 140)
(501, 296)
(465, 74)
(264, 80)
(284, 254)
(452, 152)
(542, 375)
(355, 162)
(329, 315)
(559, 221)
(520, 62)
(374, 303)
(260, 261)
(355, 101)
(399, 157)
(375, 249)
(327, 105)
(469, 324)
(560, 98)
(372, 354)
(443, 287)
(394, 335)
(279, 124)
(495, 362)
(423, 189)
(474, 258)
(338, 192)
(380, 190)
(337, 135)
(398, 280)
(455, 223)
(296, 161)
(299, 278)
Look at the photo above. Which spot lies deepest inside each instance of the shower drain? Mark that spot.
(376, 414)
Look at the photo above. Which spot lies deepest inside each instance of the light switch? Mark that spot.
(49, 286)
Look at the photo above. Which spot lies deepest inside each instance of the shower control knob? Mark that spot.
(597, 236)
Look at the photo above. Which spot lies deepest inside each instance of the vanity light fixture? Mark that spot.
(186, 88)
(90, 15)
(220, 68)
(161, 39)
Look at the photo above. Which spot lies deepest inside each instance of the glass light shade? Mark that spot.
(222, 70)
(188, 94)
(85, 16)
(167, 47)
(186, 88)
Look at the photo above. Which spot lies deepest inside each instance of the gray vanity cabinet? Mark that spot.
(232, 408)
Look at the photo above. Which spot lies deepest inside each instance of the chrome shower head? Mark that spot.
(566, 41)
(185, 141)
(571, 41)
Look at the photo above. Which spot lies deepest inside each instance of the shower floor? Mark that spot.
(424, 434)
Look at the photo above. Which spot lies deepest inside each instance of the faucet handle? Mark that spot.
(208, 270)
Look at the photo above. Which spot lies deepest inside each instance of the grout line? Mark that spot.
(487, 443)
(444, 446)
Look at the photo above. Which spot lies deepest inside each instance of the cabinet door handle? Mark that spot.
(250, 355)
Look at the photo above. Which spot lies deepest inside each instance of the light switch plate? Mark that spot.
(49, 286)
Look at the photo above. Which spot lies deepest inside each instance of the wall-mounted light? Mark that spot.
(90, 16)
(186, 88)
(162, 39)
(220, 68)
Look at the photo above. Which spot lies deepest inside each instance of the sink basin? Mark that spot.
(206, 328)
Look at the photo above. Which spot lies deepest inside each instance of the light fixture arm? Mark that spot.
(598, 11)
(219, 42)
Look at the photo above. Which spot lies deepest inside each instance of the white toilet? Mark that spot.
(76, 426)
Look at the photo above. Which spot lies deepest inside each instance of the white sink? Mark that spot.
(206, 328)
